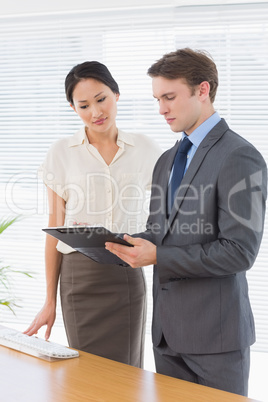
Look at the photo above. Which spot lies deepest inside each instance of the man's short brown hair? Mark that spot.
(191, 65)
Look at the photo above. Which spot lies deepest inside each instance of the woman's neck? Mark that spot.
(103, 138)
(105, 143)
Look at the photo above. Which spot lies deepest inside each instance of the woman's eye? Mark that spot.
(83, 107)
(102, 99)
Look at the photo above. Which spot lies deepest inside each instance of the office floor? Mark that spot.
(258, 386)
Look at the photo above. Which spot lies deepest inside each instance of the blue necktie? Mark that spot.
(178, 170)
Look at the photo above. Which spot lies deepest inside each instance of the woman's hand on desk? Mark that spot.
(47, 317)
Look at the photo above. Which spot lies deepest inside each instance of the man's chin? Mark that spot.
(176, 130)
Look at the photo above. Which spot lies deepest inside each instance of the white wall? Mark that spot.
(19, 7)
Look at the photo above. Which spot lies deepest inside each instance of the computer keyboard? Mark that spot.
(34, 346)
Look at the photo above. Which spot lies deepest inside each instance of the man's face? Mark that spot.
(181, 107)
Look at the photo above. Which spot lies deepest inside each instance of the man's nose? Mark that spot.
(162, 108)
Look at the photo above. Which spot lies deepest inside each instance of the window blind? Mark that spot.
(37, 52)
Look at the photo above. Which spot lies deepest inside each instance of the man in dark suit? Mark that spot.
(202, 242)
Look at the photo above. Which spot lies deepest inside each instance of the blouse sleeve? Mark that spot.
(52, 170)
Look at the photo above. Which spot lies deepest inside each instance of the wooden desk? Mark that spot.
(25, 378)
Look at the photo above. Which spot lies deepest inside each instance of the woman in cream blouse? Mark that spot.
(99, 176)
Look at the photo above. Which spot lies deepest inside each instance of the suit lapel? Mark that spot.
(163, 183)
(202, 152)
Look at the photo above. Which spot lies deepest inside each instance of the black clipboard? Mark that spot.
(90, 241)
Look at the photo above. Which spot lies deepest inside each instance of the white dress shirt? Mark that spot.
(115, 196)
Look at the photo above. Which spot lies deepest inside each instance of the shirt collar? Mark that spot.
(197, 136)
(80, 137)
(124, 137)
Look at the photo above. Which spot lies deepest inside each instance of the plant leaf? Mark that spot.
(5, 223)
(6, 272)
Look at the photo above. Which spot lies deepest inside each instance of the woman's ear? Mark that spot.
(72, 106)
(117, 97)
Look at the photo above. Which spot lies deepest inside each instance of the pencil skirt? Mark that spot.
(104, 308)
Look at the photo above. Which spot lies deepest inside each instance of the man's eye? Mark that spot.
(170, 98)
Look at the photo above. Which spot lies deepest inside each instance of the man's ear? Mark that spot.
(204, 89)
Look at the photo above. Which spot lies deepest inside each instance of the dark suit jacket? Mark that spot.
(204, 249)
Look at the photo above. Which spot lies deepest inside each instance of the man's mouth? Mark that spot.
(169, 120)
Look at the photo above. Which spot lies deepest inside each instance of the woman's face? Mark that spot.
(95, 103)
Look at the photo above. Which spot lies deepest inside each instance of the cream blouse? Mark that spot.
(115, 196)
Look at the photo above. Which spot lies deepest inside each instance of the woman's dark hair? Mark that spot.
(89, 69)
(193, 66)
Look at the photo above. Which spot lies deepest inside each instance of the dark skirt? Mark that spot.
(104, 308)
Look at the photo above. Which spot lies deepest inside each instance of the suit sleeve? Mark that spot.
(241, 196)
(156, 194)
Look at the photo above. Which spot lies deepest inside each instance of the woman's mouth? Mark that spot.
(100, 121)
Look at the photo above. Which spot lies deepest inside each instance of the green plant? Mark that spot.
(6, 272)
